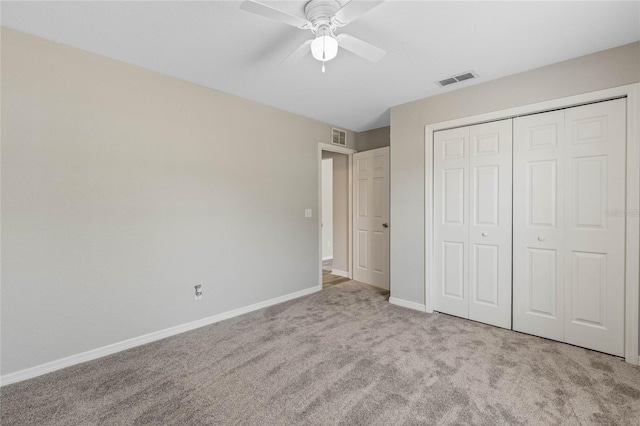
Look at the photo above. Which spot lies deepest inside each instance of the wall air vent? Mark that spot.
(338, 137)
(457, 78)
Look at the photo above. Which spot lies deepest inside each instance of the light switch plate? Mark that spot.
(307, 213)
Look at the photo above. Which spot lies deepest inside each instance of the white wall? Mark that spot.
(610, 68)
(123, 188)
(327, 208)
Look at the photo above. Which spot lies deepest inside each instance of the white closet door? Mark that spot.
(451, 219)
(490, 223)
(569, 225)
(538, 224)
(595, 260)
(371, 217)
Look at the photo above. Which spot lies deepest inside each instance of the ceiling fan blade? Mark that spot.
(360, 48)
(298, 54)
(273, 13)
(353, 10)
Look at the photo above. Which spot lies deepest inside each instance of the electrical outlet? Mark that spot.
(198, 292)
(307, 213)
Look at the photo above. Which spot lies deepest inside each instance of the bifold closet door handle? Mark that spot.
(540, 238)
(385, 225)
(485, 234)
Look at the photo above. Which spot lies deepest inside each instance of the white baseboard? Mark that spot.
(340, 273)
(49, 367)
(327, 258)
(407, 304)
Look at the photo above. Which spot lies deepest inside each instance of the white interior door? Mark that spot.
(569, 225)
(451, 221)
(538, 224)
(490, 223)
(371, 217)
(595, 235)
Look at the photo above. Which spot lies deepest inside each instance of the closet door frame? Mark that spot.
(632, 243)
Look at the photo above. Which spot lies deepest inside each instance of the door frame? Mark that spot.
(349, 153)
(632, 243)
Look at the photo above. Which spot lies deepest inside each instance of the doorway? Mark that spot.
(335, 218)
(334, 221)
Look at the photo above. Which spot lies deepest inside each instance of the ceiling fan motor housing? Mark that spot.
(320, 13)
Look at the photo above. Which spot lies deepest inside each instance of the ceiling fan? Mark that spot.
(323, 18)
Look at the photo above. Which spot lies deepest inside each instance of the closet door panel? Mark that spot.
(538, 224)
(569, 207)
(595, 226)
(490, 223)
(451, 221)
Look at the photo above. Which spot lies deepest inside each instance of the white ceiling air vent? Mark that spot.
(457, 78)
(338, 137)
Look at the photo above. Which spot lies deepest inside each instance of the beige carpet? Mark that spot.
(341, 356)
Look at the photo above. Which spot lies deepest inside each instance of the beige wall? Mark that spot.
(372, 139)
(610, 68)
(340, 210)
(123, 188)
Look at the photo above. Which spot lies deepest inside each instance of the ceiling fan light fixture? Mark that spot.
(324, 48)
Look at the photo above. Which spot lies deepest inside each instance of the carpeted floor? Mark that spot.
(340, 356)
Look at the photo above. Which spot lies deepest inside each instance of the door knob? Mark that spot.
(484, 234)
(540, 238)
(385, 225)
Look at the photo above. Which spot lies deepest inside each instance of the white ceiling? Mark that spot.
(217, 45)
